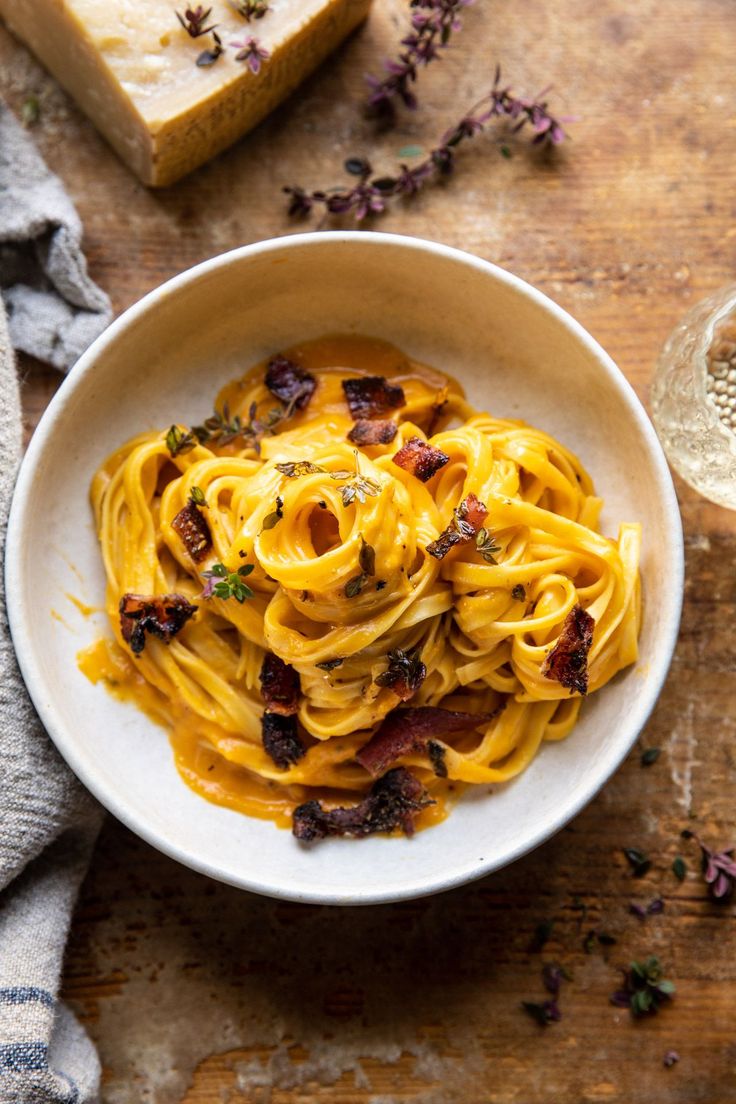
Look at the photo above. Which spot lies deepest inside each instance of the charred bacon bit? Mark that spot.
(280, 685)
(289, 382)
(392, 802)
(281, 739)
(162, 616)
(191, 525)
(372, 396)
(568, 660)
(405, 730)
(404, 675)
(379, 432)
(437, 753)
(420, 459)
(467, 521)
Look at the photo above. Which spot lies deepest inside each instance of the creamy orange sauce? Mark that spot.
(203, 769)
(84, 609)
(206, 772)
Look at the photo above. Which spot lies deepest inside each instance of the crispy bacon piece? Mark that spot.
(281, 739)
(405, 730)
(372, 396)
(420, 459)
(392, 802)
(466, 522)
(162, 616)
(191, 525)
(568, 660)
(280, 685)
(404, 675)
(381, 431)
(289, 382)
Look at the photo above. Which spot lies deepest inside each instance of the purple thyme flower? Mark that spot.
(652, 909)
(718, 868)
(369, 196)
(251, 52)
(432, 25)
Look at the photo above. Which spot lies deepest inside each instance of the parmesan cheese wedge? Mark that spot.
(132, 68)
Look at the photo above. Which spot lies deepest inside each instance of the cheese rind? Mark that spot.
(132, 69)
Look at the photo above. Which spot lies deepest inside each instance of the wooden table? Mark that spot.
(195, 992)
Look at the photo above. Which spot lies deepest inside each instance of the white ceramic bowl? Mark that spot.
(518, 355)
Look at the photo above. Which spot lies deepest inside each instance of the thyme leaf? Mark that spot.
(179, 441)
(486, 545)
(354, 586)
(272, 519)
(638, 861)
(294, 468)
(223, 583)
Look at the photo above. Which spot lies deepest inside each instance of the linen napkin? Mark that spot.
(48, 823)
(55, 311)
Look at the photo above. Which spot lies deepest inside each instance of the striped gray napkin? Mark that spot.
(48, 824)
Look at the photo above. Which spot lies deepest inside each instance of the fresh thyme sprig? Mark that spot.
(222, 583)
(356, 487)
(371, 195)
(250, 9)
(194, 19)
(250, 51)
(644, 989)
(486, 545)
(432, 25)
(220, 429)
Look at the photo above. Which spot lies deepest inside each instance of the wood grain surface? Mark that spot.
(195, 992)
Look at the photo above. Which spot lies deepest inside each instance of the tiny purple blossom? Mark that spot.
(718, 868)
(670, 1057)
(433, 23)
(654, 908)
(251, 52)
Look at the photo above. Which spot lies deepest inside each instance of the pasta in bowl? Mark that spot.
(348, 594)
(522, 362)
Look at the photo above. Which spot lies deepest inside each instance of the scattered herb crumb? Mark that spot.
(644, 989)
(679, 868)
(271, 520)
(30, 112)
(548, 1011)
(652, 909)
(638, 861)
(598, 938)
(541, 936)
(650, 756)
(717, 867)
